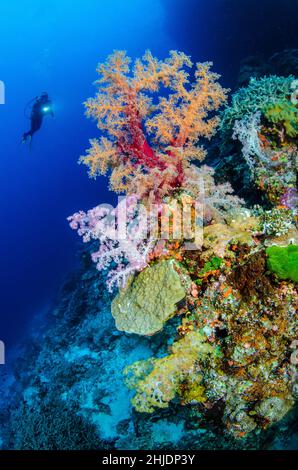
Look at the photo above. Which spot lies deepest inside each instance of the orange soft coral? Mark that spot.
(148, 143)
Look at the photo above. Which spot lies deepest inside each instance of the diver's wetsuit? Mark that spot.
(41, 107)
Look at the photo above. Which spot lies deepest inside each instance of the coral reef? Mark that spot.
(67, 390)
(150, 118)
(249, 319)
(202, 340)
(263, 118)
(237, 312)
(259, 93)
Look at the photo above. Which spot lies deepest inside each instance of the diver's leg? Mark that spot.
(35, 124)
(25, 136)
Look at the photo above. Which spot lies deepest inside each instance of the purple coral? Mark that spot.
(122, 233)
(290, 199)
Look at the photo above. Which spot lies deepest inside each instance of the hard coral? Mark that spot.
(238, 227)
(263, 118)
(150, 299)
(260, 93)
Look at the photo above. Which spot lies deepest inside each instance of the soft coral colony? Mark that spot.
(234, 296)
(149, 143)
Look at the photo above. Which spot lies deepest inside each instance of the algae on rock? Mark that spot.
(150, 299)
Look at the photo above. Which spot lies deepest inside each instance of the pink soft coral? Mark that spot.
(125, 245)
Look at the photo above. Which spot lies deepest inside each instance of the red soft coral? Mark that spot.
(148, 142)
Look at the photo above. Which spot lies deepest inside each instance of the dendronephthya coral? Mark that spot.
(148, 143)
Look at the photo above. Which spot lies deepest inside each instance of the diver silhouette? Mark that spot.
(41, 107)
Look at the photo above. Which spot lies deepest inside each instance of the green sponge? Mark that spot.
(283, 261)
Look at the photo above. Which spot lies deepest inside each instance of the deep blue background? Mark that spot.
(55, 46)
(227, 31)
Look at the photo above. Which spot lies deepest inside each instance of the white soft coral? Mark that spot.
(247, 132)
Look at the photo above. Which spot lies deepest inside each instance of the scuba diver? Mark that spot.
(41, 107)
